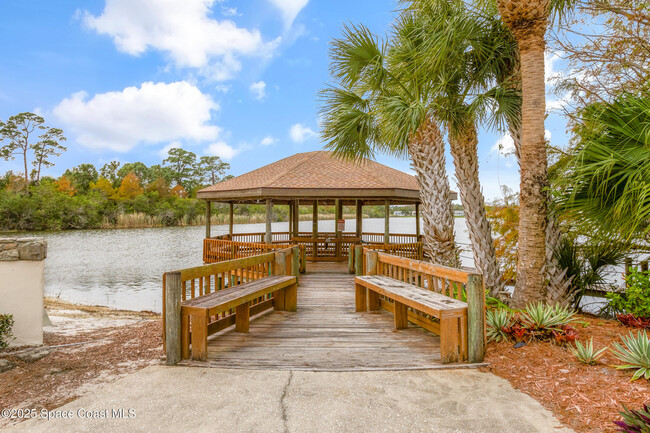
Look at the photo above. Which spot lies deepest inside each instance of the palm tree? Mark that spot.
(463, 54)
(355, 125)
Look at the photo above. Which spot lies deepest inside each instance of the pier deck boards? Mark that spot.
(325, 333)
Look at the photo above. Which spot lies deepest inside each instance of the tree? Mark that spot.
(82, 176)
(160, 185)
(179, 191)
(159, 172)
(65, 186)
(182, 164)
(104, 186)
(109, 171)
(211, 169)
(140, 170)
(357, 123)
(528, 21)
(17, 134)
(130, 187)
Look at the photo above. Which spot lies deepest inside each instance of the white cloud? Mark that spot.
(258, 89)
(151, 113)
(550, 60)
(505, 146)
(164, 152)
(547, 135)
(268, 140)
(300, 133)
(559, 103)
(289, 9)
(222, 150)
(184, 30)
(229, 12)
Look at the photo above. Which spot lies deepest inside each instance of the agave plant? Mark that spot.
(635, 354)
(586, 354)
(497, 321)
(634, 421)
(541, 317)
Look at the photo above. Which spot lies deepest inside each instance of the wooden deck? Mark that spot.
(326, 334)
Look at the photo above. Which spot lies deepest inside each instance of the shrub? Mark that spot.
(634, 421)
(636, 299)
(635, 354)
(6, 326)
(543, 319)
(586, 354)
(497, 322)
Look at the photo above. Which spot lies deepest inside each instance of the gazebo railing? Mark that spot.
(220, 250)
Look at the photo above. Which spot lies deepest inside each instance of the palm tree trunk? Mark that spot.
(534, 176)
(464, 151)
(427, 151)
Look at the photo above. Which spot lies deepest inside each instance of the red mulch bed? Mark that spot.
(585, 398)
(58, 377)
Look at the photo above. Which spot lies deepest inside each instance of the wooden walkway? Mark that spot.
(326, 334)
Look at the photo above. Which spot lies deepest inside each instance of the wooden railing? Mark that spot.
(410, 251)
(395, 238)
(217, 250)
(463, 284)
(189, 283)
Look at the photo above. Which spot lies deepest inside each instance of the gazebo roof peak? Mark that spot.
(317, 175)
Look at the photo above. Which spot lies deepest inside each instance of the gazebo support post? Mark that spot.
(386, 222)
(359, 218)
(296, 218)
(338, 214)
(231, 219)
(314, 228)
(269, 214)
(290, 219)
(417, 222)
(208, 214)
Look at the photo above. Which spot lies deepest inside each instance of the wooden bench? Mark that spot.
(447, 301)
(195, 312)
(452, 313)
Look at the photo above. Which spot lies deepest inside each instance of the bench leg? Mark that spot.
(185, 336)
(360, 298)
(279, 299)
(374, 303)
(242, 317)
(401, 316)
(449, 339)
(291, 298)
(199, 338)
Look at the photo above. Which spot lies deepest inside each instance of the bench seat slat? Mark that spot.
(415, 297)
(225, 299)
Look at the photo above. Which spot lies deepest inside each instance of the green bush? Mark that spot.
(636, 299)
(635, 354)
(6, 326)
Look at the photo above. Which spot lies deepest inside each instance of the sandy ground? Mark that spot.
(173, 399)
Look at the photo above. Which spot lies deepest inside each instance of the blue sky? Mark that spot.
(127, 79)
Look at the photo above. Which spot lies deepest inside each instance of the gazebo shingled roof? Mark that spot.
(318, 176)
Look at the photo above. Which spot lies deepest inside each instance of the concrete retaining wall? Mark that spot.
(22, 266)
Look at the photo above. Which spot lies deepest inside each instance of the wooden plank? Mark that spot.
(449, 344)
(360, 298)
(215, 268)
(475, 319)
(199, 337)
(428, 268)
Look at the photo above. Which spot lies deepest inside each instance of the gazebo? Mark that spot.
(313, 179)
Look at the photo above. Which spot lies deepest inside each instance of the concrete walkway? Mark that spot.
(182, 399)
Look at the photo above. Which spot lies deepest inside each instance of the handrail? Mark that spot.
(464, 284)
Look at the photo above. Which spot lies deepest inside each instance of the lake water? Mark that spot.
(122, 268)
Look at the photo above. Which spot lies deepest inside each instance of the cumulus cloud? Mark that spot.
(164, 152)
(289, 9)
(185, 31)
(151, 113)
(258, 90)
(222, 150)
(268, 140)
(505, 146)
(300, 133)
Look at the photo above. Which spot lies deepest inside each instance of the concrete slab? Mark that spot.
(181, 399)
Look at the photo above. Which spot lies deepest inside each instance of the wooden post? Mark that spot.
(449, 350)
(417, 222)
(231, 219)
(279, 268)
(173, 317)
(314, 228)
(338, 213)
(295, 262)
(358, 260)
(400, 316)
(359, 218)
(628, 266)
(387, 222)
(269, 216)
(475, 318)
(296, 218)
(291, 292)
(242, 317)
(372, 258)
(208, 214)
